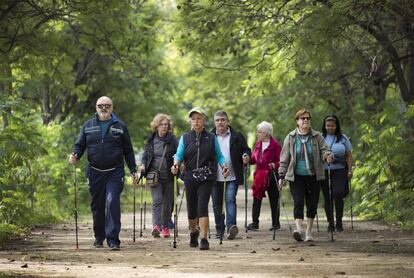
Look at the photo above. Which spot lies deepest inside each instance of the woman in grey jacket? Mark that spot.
(301, 163)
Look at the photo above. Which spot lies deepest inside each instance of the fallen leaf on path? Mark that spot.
(301, 259)
(134, 267)
(24, 266)
(340, 273)
(253, 252)
(109, 259)
(11, 260)
(89, 266)
(276, 249)
(67, 268)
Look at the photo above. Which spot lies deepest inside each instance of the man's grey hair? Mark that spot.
(265, 127)
(221, 113)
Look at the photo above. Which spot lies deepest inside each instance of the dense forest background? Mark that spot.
(258, 60)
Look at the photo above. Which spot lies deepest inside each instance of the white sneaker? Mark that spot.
(297, 234)
(308, 237)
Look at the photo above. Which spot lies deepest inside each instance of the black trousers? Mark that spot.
(198, 196)
(339, 191)
(273, 194)
(305, 189)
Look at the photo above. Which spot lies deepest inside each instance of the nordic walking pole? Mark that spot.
(223, 204)
(284, 209)
(133, 219)
(245, 196)
(145, 206)
(317, 221)
(175, 212)
(330, 199)
(278, 203)
(140, 206)
(76, 206)
(350, 197)
(181, 202)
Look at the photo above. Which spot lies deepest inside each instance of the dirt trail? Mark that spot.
(370, 250)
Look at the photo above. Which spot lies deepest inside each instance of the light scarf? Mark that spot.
(304, 137)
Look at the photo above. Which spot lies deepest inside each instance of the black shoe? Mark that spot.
(194, 239)
(339, 227)
(204, 245)
(98, 243)
(275, 227)
(114, 247)
(233, 231)
(331, 228)
(253, 227)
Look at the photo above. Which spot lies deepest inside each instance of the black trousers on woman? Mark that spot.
(273, 194)
(340, 189)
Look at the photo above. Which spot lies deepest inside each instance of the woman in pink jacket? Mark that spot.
(265, 155)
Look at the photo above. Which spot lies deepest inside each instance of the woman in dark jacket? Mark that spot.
(158, 157)
(265, 155)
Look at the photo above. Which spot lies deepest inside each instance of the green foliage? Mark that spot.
(9, 232)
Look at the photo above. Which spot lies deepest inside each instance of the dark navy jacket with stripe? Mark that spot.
(108, 151)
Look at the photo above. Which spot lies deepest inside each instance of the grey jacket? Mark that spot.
(320, 151)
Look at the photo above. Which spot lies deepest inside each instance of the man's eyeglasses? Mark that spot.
(106, 106)
(305, 118)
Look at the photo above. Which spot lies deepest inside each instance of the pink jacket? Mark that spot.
(262, 161)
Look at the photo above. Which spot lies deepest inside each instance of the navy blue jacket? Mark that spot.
(108, 151)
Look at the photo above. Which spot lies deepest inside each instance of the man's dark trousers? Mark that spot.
(105, 189)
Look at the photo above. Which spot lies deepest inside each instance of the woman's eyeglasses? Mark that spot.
(305, 118)
(106, 106)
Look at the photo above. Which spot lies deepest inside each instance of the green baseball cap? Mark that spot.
(198, 110)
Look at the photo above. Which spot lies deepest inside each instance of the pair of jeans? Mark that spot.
(105, 189)
(231, 206)
(162, 199)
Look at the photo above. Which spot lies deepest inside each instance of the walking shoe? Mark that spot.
(165, 232)
(233, 231)
(339, 227)
(204, 245)
(98, 243)
(275, 227)
(156, 231)
(331, 228)
(308, 237)
(114, 246)
(297, 234)
(194, 239)
(170, 224)
(253, 226)
(219, 234)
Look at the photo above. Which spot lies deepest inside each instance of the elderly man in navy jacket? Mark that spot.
(107, 141)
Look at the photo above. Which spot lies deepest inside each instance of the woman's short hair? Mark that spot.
(156, 121)
(301, 112)
(265, 127)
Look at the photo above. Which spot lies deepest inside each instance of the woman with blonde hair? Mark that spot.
(156, 163)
